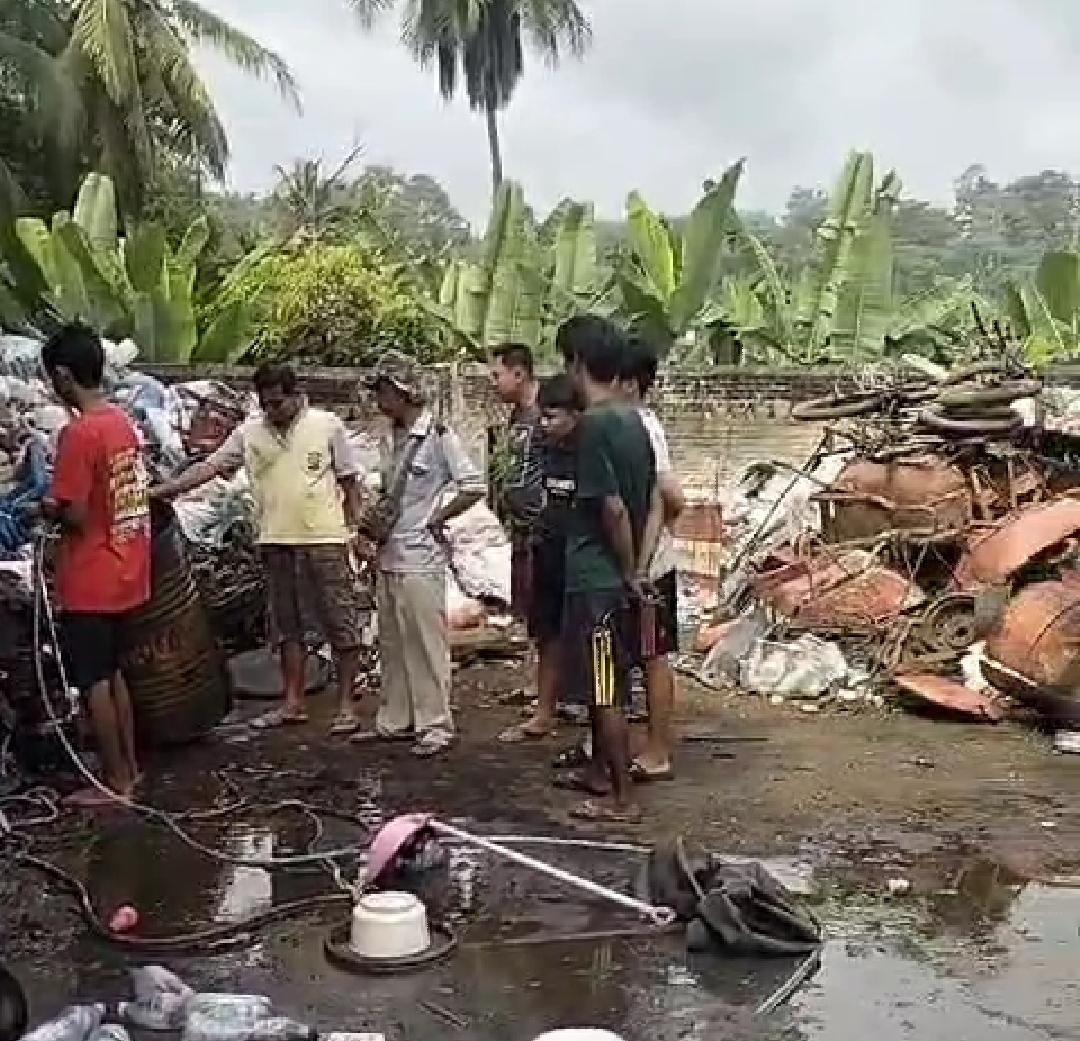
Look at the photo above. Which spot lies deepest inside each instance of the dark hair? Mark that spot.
(78, 349)
(640, 362)
(275, 375)
(580, 330)
(515, 355)
(601, 355)
(559, 392)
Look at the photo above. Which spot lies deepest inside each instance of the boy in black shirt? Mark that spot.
(559, 407)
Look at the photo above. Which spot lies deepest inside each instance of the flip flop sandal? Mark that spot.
(640, 775)
(580, 782)
(428, 748)
(597, 813)
(571, 758)
(520, 734)
(343, 726)
(370, 737)
(279, 718)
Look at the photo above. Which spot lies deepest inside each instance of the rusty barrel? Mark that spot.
(174, 669)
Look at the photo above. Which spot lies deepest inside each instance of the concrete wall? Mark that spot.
(717, 421)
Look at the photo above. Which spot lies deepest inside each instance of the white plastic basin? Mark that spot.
(580, 1034)
(389, 925)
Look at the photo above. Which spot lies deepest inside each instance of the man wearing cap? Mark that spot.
(305, 482)
(427, 480)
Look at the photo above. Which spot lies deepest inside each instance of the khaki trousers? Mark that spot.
(414, 655)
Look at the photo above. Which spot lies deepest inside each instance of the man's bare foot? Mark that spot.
(644, 770)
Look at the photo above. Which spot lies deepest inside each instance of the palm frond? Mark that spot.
(554, 26)
(49, 79)
(368, 11)
(204, 27)
(103, 32)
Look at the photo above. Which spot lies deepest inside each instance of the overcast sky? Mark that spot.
(674, 90)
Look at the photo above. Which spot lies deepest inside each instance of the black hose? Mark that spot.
(227, 934)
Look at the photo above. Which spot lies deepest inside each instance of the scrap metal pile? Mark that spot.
(929, 550)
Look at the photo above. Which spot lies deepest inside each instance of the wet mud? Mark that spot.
(943, 860)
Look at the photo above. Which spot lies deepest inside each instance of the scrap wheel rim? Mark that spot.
(940, 635)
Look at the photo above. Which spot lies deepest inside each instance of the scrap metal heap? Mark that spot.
(943, 559)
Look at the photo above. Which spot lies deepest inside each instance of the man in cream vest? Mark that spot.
(306, 485)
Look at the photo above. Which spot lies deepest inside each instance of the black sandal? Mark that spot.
(571, 758)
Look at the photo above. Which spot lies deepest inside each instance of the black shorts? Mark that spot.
(548, 590)
(667, 614)
(599, 646)
(91, 646)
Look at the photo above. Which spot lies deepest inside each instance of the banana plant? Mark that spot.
(666, 278)
(134, 285)
(520, 289)
(1045, 312)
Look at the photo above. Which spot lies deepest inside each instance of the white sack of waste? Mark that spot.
(20, 356)
(805, 668)
(480, 554)
(722, 666)
(219, 508)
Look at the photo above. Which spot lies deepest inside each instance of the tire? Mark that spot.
(1003, 394)
(838, 406)
(935, 420)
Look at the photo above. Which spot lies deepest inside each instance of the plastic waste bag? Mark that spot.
(722, 666)
(161, 999)
(75, 1023)
(805, 668)
(20, 357)
(18, 508)
(224, 1017)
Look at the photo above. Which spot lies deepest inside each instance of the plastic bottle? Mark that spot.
(75, 1023)
(279, 1028)
(109, 1032)
(148, 980)
(224, 1017)
(162, 1010)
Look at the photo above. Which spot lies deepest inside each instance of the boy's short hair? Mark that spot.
(77, 348)
(640, 362)
(515, 355)
(275, 375)
(577, 332)
(559, 392)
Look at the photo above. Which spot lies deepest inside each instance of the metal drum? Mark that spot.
(176, 673)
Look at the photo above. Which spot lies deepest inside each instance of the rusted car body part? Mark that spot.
(1035, 653)
(996, 552)
(1004, 485)
(847, 589)
(933, 638)
(921, 492)
(949, 694)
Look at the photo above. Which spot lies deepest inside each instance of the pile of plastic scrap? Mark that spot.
(927, 554)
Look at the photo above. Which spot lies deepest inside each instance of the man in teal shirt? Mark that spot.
(614, 526)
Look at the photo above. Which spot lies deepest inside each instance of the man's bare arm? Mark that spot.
(671, 492)
(654, 524)
(193, 477)
(615, 522)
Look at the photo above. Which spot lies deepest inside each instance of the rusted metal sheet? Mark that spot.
(849, 589)
(952, 695)
(995, 552)
(1035, 653)
(922, 493)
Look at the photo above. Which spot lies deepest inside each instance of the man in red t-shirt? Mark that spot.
(100, 497)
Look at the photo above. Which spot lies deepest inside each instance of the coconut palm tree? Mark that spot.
(116, 85)
(480, 44)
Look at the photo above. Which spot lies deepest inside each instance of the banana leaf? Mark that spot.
(186, 259)
(1058, 282)
(849, 206)
(95, 212)
(653, 247)
(575, 270)
(144, 251)
(702, 244)
(864, 301)
(89, 293)
(228, 337)
(771, 290)
(943, 307)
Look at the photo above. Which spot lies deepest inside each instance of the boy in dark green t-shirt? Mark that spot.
(614, 526)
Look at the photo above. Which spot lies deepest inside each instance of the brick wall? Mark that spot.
(717, 421)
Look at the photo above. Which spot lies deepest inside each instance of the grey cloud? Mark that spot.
(673, 92)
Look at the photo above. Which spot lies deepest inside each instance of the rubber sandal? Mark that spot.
(278, 717)
(579, 781)
(344, 725)
(598, 813)
(640, 775)
(571, 758)
(370, 737)
(428, 747)
(521, 734)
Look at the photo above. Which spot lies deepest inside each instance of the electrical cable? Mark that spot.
(42, 604)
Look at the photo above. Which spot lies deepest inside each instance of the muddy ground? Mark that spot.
(982, 823)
